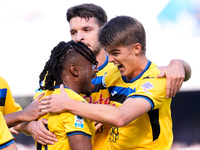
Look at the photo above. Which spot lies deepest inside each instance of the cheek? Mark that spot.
(92, 37)
(127, 65)
(87, 74)
(72, 37)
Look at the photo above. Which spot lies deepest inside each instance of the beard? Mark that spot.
(97, 49)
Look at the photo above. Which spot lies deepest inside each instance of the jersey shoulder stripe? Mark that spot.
(3, 93)
(144, 97)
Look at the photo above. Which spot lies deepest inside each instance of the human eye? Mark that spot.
(73, 32)
(114, 53)
(87, 29)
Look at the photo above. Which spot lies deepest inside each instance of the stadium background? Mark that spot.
(30, 29)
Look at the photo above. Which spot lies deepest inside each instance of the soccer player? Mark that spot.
(85, 21)
(140, 114)
(6, 139)
(72, 64)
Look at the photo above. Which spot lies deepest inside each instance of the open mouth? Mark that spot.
(119, 67)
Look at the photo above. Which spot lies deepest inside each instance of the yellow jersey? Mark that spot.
(152, 130)
(7, 102)
(6, 137)
(101, 95)
(67, 124)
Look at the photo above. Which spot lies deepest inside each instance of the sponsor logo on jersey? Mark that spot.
(147, 86)
(79, 121)
(113, 93)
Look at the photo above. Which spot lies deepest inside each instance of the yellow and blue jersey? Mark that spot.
(6, 137)
(7, 102)
(67, 124)
(152, 130)
(101, 96)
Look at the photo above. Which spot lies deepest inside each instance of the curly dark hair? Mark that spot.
(60, 55)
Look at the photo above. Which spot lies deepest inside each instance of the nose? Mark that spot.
(79, 37)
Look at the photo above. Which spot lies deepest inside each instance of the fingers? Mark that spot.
(97, 126)
(161, 75)
(46, 138)
(39, 97)
(42, 135)
(45, 106)
(62, 89)
(45, 101)
(177, 86)
(45, 110)
(12, 130)
(173, 86)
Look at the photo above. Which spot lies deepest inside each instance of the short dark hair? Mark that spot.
(122, 31)
(60, 56)
(87, 11)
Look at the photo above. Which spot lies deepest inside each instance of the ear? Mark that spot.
(137, 48)
(74, 69)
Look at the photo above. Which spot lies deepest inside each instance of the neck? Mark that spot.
(71, 83)
(101, 57)
(139, 68)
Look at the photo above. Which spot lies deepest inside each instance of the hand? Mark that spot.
(175, 75)
(32, 111)
(12, 130)
(97, 126)
(39, 132)
(55, 103)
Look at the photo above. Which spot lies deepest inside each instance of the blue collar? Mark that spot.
(104, 64)
(134, 79)
(57, 87)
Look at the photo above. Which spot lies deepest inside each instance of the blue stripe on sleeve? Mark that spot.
(78, 132)
(144, 97)
(7, 144)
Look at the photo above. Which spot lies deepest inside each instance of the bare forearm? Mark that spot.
(14, 119)
(23, 127)
(96, 112)
(188, 70)
(186, 67)
(110, 115)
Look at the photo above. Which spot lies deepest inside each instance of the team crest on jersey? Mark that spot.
(103, 80)
(79, 121)
(147, 86)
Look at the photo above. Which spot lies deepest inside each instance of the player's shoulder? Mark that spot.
(152, 70)
(3, 81)
(106, 68)
(72, 94)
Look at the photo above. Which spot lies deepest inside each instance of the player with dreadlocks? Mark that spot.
(74, 65)
(60, 55)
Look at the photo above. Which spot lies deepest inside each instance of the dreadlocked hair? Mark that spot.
(60, 55)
